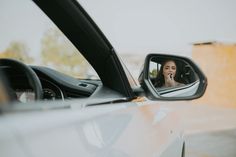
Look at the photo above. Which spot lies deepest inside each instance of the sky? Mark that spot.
(144, 26)
(132, 26)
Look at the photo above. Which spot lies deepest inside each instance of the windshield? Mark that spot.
(38, 42)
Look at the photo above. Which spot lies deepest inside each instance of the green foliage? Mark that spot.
(58, 51)
(17, 50)
(153, 73)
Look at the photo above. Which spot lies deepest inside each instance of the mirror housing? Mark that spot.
(192, 81)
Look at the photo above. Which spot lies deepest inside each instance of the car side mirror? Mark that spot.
(170, 77)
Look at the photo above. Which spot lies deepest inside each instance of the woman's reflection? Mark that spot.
(169, 75)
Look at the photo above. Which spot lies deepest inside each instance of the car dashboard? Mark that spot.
(56, 86)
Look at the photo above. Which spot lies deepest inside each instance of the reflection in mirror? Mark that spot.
(172, 77)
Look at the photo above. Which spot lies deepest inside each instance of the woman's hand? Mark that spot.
(170, 82)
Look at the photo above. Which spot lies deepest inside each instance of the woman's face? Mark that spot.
(169, 69)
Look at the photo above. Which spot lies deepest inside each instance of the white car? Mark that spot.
(66, 93)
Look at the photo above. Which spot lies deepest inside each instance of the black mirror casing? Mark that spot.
(149, 88)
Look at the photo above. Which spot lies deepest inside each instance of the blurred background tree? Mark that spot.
(58, 51)
(17, 50)
(153, 73)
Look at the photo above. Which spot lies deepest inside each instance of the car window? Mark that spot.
(29, 36)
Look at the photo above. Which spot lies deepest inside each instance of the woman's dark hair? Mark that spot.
(160, 81)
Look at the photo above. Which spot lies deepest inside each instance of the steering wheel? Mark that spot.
(30, 74)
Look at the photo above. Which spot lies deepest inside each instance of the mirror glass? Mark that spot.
(172, 77)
